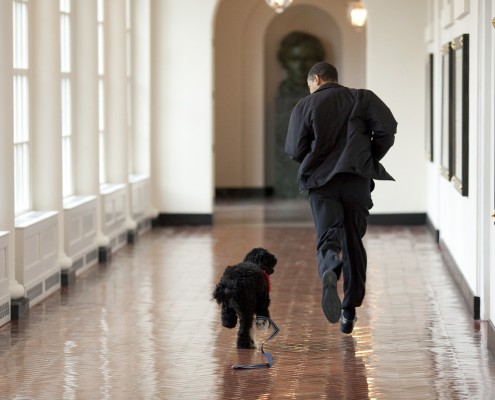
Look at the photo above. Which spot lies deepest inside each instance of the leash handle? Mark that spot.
(275, 332)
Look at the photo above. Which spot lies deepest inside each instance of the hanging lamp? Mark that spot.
(358, 14)
(279, 5)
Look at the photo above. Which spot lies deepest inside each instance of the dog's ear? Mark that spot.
(263, 258)
(269, 262)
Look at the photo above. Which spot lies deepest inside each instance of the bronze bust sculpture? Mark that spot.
(298, 52)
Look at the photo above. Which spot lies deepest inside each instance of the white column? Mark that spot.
(116, 136)
(85, 102)
(85, 97)
(46, 125)
(140, 67)
(7, 209)
(115, 91)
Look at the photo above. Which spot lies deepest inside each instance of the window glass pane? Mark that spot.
(67, 166)
(21, 109)
(101, 37)
(101, 60)
(66, 97)
(101, 105)
(101, 128)
(21, 178)
(129, 83)
(20, 102)
(65, 48)
(100, 10)
(20, 34)
(128, 14)
(66, 108)
(101, 88)
(103, 176)
(65, 6)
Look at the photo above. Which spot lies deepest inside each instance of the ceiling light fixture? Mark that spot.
(358, 14)
(279, 5)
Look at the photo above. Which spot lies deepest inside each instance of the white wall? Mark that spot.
(485, 159)
(238, 135)
(454, 215)
(395, 72)
(182, 106)
(488, 280)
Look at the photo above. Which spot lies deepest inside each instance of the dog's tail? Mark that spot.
(221, 293)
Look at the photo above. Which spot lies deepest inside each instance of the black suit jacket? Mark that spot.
(337, 129)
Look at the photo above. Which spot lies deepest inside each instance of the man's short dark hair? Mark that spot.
(325, 71)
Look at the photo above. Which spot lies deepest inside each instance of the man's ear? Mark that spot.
(318, 80)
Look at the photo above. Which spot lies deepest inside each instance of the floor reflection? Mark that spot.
(144, 326)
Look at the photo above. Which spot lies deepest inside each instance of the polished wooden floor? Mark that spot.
(143, 326)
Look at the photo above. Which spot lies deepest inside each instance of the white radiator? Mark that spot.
(141, 201)
(80, 231)
(36, 249)
(113, 198)
(4, 279)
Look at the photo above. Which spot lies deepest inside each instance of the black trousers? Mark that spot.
(340, 212)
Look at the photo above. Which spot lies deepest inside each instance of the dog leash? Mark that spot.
(269, 357)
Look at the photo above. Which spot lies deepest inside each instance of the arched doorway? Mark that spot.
(247, 74)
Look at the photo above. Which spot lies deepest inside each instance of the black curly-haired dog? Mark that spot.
(243, 291)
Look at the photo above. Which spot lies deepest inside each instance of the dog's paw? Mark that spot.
(246, 344)
(262, 324)
(229, 324)
(229, 321)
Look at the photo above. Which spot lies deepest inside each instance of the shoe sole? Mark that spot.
(330, 301)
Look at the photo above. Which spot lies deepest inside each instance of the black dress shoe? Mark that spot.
(346, 325)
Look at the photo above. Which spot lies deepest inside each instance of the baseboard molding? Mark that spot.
(132, 236)
(183, 220)
(397, 219)
(490, 337)
(104, 254)
(68, 277)
(19, 308)
(207, 219)
(243, 193)
(472, 301)
(434, 231)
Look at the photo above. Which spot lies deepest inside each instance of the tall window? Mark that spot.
(101, 87)
(66, 69)
(128, 37)
(22, 175)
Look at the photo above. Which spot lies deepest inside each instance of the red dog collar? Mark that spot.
(268, 280)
